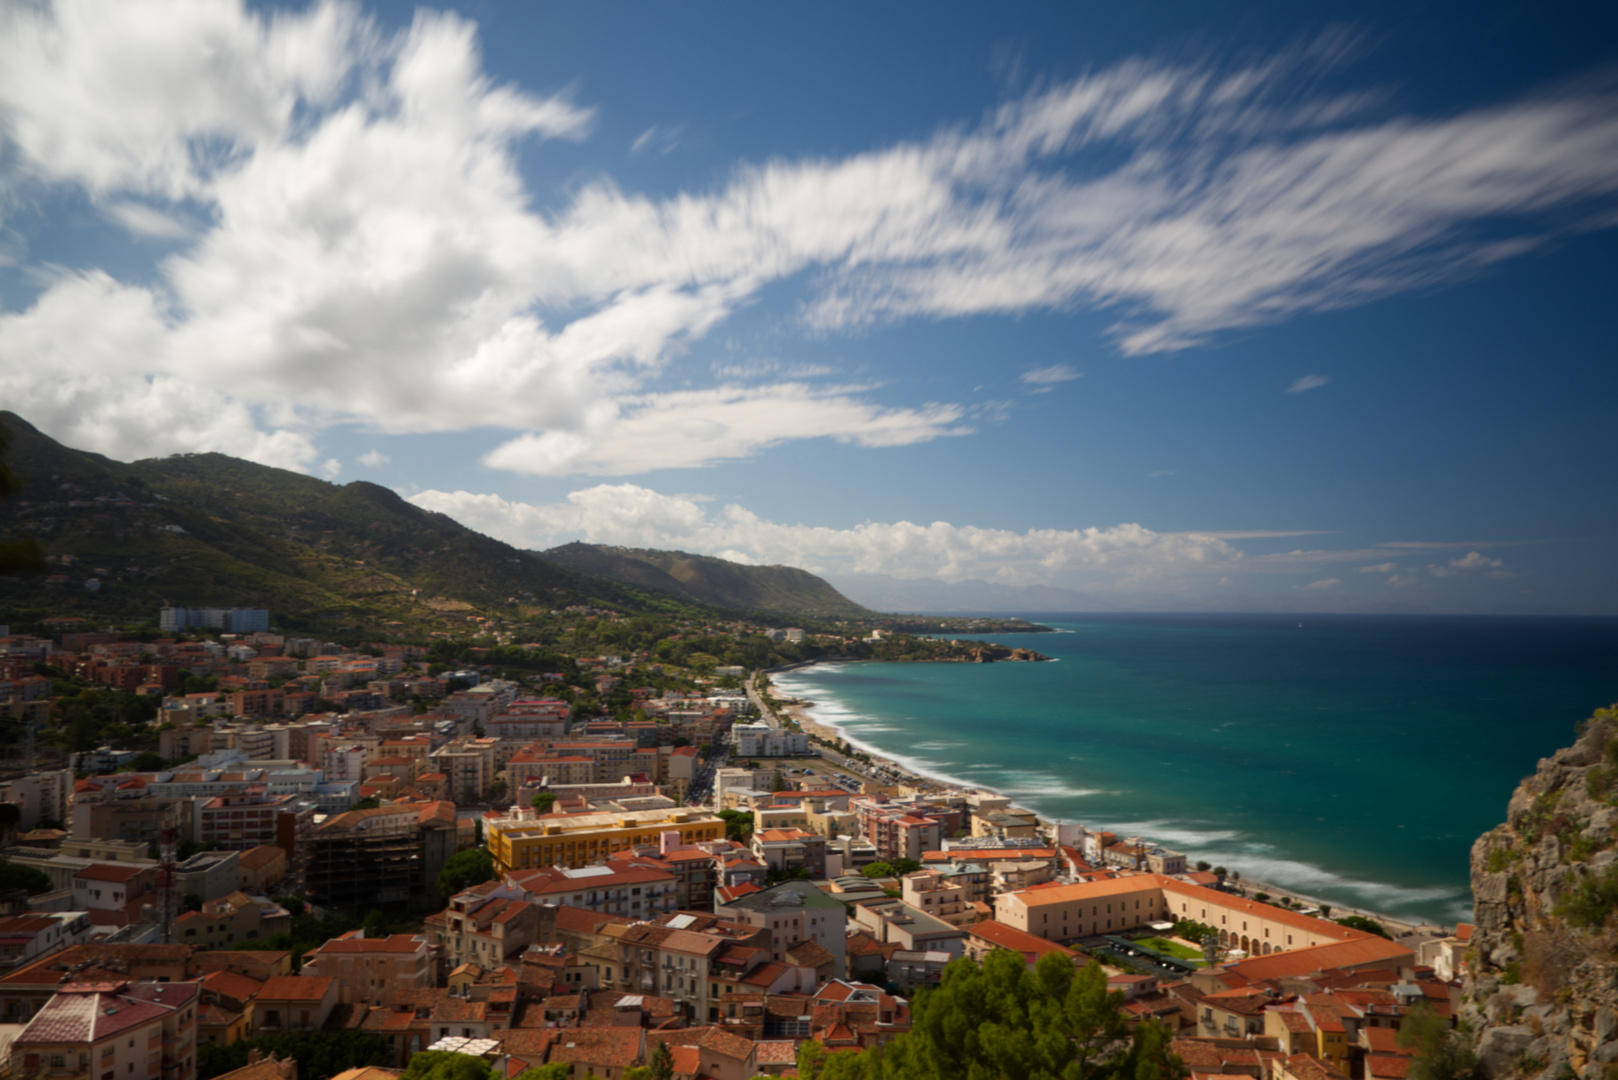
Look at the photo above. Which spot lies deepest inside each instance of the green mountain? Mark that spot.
(212, 530)
(706, 580)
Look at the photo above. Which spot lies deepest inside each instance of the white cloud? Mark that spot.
(661, 139)
(1380, 568)
(1320, 586)
(145, 222)
(696, 428)
(330, 468)
(1160, 472)
(1471, 561)
(1123, 555)
(373, 459)
(1056, 373)
(373, 253)
(1308, 382)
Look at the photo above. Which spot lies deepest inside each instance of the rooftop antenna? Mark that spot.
(168, 877)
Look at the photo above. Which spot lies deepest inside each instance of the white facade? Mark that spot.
(761, 740)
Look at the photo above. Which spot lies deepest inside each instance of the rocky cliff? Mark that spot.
(1541, 991)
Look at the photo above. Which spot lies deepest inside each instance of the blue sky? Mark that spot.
(1232, 307)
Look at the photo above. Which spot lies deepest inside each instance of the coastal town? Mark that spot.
(628, 868)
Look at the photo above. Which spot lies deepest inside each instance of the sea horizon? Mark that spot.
(1354, 757)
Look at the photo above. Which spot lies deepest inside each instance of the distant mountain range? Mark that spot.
(213, 530)
(707, 580)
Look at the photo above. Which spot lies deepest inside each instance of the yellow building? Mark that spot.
(528, 839)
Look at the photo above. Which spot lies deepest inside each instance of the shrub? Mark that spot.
(1589, 903)
(1360, 922)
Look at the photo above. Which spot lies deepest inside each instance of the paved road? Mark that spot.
(757, 699)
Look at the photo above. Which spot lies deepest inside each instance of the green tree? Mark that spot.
(556, 1070)
(465, 869)
(443, 1065)
(26, 878)
(147, 761)
(320, 1055)
(661, 1062)
(999, 1021)
(1440, 1053)
(811, 1059)
(878, 870)
(1369, 926)
(370, 802)
(543, 801)
(901, 867)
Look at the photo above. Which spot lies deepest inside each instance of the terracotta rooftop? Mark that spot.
(295, 988)
(393, 943)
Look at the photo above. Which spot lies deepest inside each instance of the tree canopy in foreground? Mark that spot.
(999, 1021)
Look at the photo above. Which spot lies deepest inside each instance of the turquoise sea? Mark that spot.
(1355, 758)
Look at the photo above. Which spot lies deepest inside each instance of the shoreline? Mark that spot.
(799, 712)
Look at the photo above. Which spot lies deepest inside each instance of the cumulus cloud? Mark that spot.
(1470, 562)
(1308, 382)
(373, 254)
(373, 459)
(1380, 568)
(636, 516)
(1320, 586)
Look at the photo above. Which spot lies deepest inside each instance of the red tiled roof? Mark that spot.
(612, 1047)
(296, 988)
(231, 984)
(393, 943)
(1387, 1066)
(1001, 936)
(731, 1046)
(1336, 954)
(687, 1060)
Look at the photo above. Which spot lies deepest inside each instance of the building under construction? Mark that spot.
(386, 857)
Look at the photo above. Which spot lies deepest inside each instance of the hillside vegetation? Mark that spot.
(703, 579)
(208, 529)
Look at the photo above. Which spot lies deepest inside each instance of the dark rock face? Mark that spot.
(1541, 990)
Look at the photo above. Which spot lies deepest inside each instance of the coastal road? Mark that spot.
(758, 702)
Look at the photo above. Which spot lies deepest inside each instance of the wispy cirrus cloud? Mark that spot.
(1056, 373)
(367, 222)
(1308, 382)
(699, 428)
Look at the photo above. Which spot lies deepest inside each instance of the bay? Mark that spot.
(1354, 758)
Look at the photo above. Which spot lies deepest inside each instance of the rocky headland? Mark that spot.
(1540, 996)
